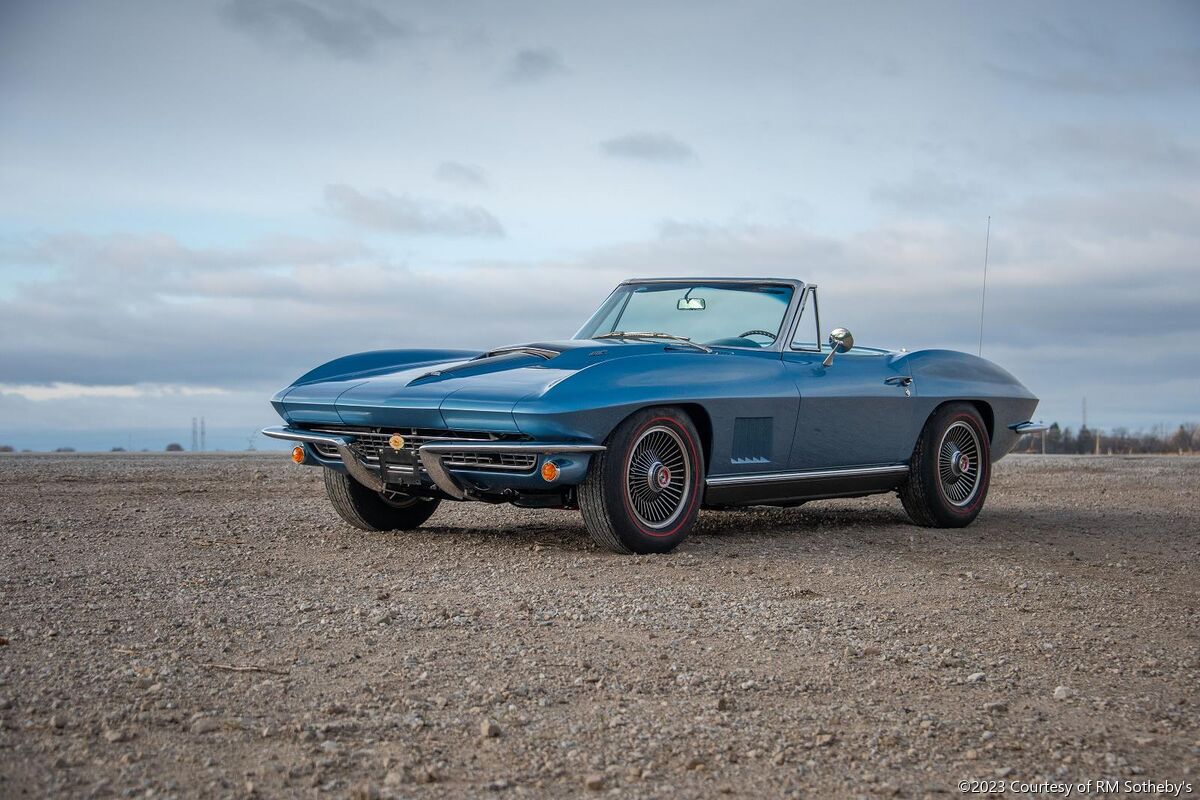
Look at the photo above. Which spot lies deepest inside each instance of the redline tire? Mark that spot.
(950, 469)
(368, 510)
(643, 493)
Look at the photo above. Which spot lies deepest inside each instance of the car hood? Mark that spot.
(456, 394)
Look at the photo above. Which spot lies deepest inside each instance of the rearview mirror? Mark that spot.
(690, 304)
(840, 341)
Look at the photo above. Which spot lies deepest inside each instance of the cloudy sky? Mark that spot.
(199, 201)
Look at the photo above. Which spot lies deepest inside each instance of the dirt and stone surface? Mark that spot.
(206, 626)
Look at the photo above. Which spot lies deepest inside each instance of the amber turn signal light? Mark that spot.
(549, 472)
(298, 454)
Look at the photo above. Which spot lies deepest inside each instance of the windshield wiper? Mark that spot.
(652, 335)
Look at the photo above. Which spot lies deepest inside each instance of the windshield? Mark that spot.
(722, 314)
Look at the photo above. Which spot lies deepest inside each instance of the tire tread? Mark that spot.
(597, 517)
(366, 510)
(605, 517)
(919, 494)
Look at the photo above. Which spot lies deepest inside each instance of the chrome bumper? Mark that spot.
(1021, 428)
(431, 457)
(430, 454)
(356, 468)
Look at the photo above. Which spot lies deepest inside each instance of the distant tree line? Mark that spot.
(1159, 439)
(173, 447)
(1118, 441)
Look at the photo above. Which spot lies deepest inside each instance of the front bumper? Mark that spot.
(431, 456)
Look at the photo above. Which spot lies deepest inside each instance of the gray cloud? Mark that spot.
(465, 175)
(403, 214)
(534, 64)
(1083, 60)
(927, 191)
(645, 146)
(1177, 70)
(1118, 151)
(347, 30)
(1062, 312)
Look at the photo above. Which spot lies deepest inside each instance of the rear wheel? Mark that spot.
(642, 494)
(950, 469)
(375, 511)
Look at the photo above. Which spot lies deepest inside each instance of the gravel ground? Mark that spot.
(206, 626)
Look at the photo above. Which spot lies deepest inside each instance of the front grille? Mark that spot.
(367, 442)
(517, 462)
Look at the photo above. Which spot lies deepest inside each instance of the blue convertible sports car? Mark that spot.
(677, 394)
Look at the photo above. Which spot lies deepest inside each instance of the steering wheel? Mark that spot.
(758, 332)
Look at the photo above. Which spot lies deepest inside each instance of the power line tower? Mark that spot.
(203, 441)
(195, 436)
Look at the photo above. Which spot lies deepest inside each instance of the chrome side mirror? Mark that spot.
(840, 341)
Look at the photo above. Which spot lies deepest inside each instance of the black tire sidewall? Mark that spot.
(946, 513)
(635, 536)
(367, 510)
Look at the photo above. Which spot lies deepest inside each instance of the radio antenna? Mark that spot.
(983, 299)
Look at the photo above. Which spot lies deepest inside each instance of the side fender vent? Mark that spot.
(752, 438)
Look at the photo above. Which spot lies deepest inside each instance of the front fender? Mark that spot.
(588, 404)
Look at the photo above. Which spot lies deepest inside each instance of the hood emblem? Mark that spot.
(396, 441)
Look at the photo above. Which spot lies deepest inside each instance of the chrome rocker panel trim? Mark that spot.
(1028, 427)
(897, 469)
(783, 487)
(430, 455)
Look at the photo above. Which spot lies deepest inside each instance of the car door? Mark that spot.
(857, 411)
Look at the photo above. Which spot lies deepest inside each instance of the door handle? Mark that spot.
(898, 380)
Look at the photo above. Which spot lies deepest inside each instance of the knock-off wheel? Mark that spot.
(950, 469)
(642, 494)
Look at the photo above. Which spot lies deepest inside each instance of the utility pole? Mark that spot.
(203, 442)
(195, 436)
(1085, 412)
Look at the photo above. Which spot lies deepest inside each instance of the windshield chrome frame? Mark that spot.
(787, 322)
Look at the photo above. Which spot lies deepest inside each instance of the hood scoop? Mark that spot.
(492, 361)
(533, 350)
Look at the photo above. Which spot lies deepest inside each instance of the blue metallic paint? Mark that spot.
(844, 415)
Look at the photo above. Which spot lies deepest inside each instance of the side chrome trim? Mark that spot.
(809, 475)
(1028, 427)
(431, 457)
(810, 290)
(355, 467)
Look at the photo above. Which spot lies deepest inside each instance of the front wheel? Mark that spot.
(642, 494)
(369, 510)
(950, 469)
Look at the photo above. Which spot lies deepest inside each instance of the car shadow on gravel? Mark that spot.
(880, 526)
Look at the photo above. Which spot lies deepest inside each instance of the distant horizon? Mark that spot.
(238, 439)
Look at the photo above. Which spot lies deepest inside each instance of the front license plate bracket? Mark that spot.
(399, 466)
